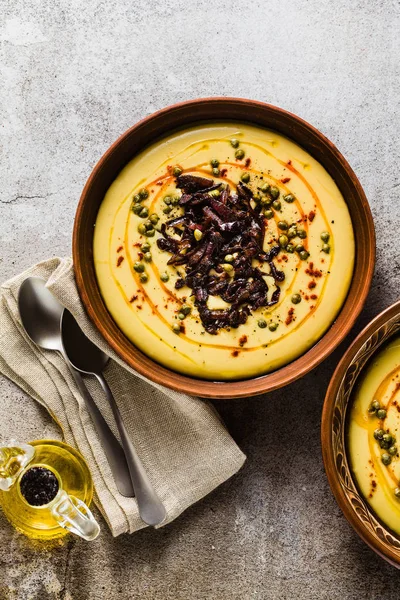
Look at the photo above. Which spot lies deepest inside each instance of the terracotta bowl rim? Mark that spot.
(373, 327)
(304, 363)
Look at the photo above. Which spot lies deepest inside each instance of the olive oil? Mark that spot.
(67, 472)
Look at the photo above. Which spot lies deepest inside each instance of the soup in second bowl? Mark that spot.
(374, 435)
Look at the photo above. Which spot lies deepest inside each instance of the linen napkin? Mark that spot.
(181, 440)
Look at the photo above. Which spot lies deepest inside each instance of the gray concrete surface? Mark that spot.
(74, 76)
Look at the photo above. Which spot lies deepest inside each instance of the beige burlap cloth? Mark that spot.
(184, 446)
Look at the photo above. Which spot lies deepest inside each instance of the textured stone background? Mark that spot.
(74, 76)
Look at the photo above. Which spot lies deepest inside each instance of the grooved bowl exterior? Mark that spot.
(183, 115)
(333, 435)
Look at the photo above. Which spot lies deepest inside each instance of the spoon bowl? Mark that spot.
(40, 313)
(83, 354)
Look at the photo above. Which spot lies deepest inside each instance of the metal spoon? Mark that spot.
(41, 317)
(89, 359)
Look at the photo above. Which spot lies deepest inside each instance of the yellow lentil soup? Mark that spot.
(374, 435)
(224, 251)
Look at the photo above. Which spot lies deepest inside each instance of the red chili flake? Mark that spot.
(311, 285)
(223, 172)
(133, 299)
(285, 180)
(120, 248)
(247, 162)
(159, 183)
(312, 306)
(373, 483)
(242, 340)
(289, 162)
(119, 261)
(137, 245)
(313, 272)
(307, 297)
(183, 329)
(290, 316)
(314, 296)
(235, 353)
(285, 258)
(139, 306)
(311, 216)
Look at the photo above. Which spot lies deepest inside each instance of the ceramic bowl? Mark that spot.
(182, 115)
(333, 433)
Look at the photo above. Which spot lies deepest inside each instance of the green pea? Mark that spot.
(274, 191)
(268, 213)
(214, 162)
(283, 225)
(215, 172)
(277, 204)
(154, 219)
(273, 326)
(167, 209)
(164, 277)
(266, 201)
(375, 404)
(181, 316)
(290, 248)
(386, 458)
(325, 236)
(142, 228)
(150, 232)
(139, 267)
(397, 492)
(302, 233)
(137, 208)
(265, 187)
(387, 437)
(229, 258)
(145, 247)
(296, 298)
(245, 177)
(144, 212)
(167, 199)
(289, 198)
(392, 450)
(257, 198)
(197, 234)
(227, 267)
(381, 413)
(176, 171)
(292, 232)
(234, 143)
(186, 309)
(176, 328)
(239, 154)
(326, 248)
(136, 198)
(304, 255)
(378, 434)
(262, 323)
(175, 200)
(283, 241)
(143, 194)
(384, 445)
(214, 193)
(299, 248)
(147, 257)
(144, 277)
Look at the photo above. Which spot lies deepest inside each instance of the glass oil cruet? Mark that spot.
(45, 490)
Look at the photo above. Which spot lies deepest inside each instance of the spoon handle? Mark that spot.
(150, 507)
(112, 449)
